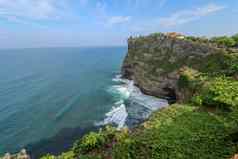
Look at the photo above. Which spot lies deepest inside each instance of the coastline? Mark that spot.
(132, 106)
(132, 109)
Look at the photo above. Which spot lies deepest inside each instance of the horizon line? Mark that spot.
(54, 47)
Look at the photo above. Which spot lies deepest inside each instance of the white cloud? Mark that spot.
(185, 16)
(103, 16)
(118, 19)
(21, 10)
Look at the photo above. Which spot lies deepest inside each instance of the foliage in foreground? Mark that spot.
(89, 142)
(221, 92)
(180, 131)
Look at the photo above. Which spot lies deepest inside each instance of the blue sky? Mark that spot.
(53, 23)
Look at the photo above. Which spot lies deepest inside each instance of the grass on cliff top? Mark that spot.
(180, 131)
(219, 41)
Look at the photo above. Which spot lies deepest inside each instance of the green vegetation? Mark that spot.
(180, 131)
(235, 38)
(68, 155)
(48, 156)
(203, 126)
(224, 41)
(197, 39)
(98, 144)
(187, 78)
(89, 142)
(221, 41)
(220, 92)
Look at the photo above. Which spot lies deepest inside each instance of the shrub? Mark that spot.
(178, 132)
(109, 132)
(122, 135)
(231, 62)
(197, 100)
(234, 67)
(197, 39)
(222, 63)
(88, 143)
(67, 155)
(90, 157)
(235, 38)
(48, 156)
(192, 38)
(187, 77)
(156, 34)
(126, 149)
(224, 41)
(219, 92)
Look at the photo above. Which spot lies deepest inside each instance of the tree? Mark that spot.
(235, 38)
(224, 41)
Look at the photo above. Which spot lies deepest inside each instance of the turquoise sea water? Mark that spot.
(43, 91)
(51, 97)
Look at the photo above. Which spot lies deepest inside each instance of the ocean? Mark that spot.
(51, 96)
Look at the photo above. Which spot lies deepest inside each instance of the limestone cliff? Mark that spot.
(154, 61)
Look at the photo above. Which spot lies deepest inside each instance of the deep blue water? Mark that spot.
(43, 91)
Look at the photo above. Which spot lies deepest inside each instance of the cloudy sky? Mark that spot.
(53, 23)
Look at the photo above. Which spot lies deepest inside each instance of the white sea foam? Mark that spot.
(117, 115)
(126, 90)
(118, 78)
(120, 90)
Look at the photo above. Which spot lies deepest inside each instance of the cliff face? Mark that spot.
(154, 62)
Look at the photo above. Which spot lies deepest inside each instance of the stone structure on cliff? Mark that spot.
(154, 61)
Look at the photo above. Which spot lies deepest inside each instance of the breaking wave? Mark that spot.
(132, 106)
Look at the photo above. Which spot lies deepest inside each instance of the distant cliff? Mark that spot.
(154, 62)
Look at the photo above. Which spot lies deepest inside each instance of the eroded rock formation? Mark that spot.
(154, 62)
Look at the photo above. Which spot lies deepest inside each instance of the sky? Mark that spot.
(74, 23)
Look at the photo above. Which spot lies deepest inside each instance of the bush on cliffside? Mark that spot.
(48, 156)
(235, 37)
(224, 41)
(220, 92)
(181, 132)
(88, 142)
(231, 62)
